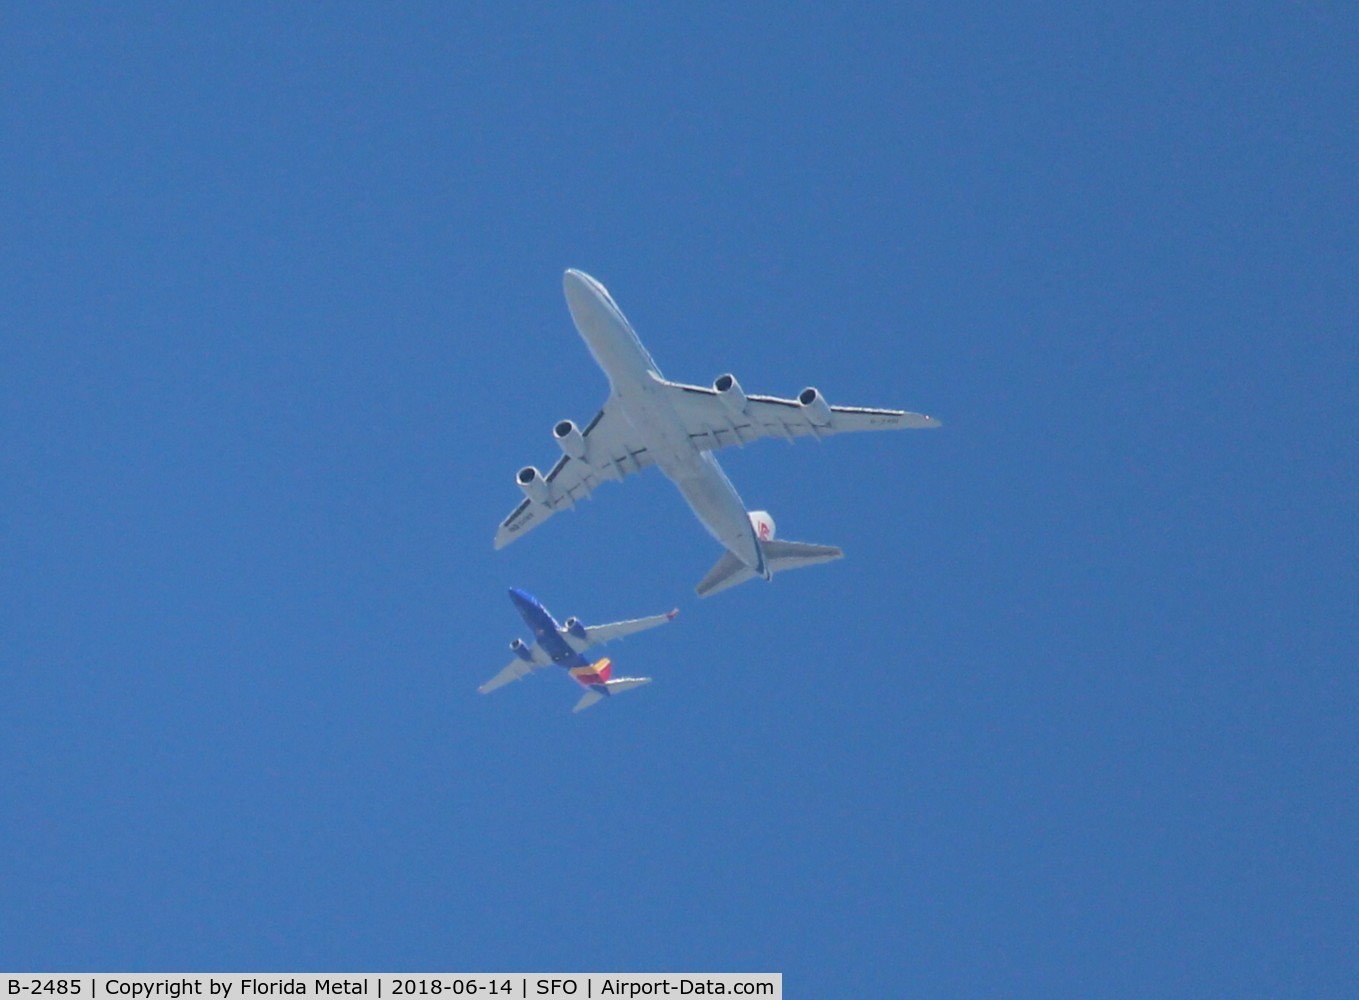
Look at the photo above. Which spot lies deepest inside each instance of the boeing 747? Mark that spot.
(648, 420)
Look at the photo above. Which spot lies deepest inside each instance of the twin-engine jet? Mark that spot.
(648, 420)
(564, 646)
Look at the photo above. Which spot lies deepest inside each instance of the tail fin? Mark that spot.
(778, 556)
(616, 686)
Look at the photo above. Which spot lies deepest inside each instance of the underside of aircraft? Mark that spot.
(647, 420)
(565, 645)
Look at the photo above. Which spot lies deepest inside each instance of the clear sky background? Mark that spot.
(281, 315)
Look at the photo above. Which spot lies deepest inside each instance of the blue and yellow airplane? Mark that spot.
(565, 645)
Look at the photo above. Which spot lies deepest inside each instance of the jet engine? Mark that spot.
(729, 392)
(533, 484)
(574, 626)
(763, 524)
(570, 439)
(521, 650)
(815, 407)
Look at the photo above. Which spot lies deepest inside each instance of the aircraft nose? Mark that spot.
(576, 278)
(585, 296)
(590, 306)
(521, 597)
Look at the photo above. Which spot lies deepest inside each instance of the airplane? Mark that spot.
(564, 646)
(647, 420)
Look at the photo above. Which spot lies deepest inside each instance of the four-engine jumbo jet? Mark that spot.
(647, 420)
(564, 646)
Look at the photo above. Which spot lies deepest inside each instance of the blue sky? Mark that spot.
(281, 314)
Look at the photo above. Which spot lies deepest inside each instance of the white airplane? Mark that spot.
(565, 645)
(648, 420)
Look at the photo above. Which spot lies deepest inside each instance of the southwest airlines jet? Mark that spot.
(648, 420)
(564, 646)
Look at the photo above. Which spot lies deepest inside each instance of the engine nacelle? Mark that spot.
(521, 650)
(763, 524)
(574, 626)
(814, 406)
(730, 393)
(569, 438)
(533, 484)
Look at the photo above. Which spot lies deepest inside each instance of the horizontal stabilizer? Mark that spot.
(778, 556)
(588, 699)
(616, 686)
(728, 572)
(794, 555)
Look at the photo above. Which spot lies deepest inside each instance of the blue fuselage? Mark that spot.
(546, 632)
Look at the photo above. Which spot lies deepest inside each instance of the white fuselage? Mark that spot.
(633, 379)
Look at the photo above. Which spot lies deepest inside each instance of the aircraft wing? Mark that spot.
(713, 424)
(612, 451)
(597, 634)
(518, 668)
